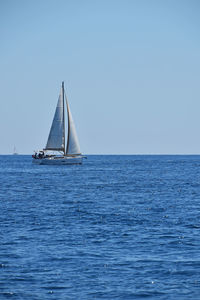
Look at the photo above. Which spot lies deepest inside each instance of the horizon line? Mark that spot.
(124, 154)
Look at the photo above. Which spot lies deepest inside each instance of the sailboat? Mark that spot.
(15, 151)
(57, 151)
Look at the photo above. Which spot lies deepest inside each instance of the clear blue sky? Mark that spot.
(131, 68)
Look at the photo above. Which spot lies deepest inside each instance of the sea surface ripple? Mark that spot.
(116, 227)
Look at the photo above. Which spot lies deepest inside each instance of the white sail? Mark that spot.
(56, 139)
(72, 141)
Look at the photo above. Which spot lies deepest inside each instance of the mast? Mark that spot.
(68, 126)
(63, 100)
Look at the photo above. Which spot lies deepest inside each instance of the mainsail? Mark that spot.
(56, 139)
(73, 147)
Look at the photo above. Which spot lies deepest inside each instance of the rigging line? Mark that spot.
(63, 103)
(68, 123)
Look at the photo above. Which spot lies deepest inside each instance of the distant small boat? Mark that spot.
(15, 151)
(62, 154)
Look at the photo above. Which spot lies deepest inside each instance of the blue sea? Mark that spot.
(116, 227)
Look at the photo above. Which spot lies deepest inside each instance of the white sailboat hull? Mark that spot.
(58, 160)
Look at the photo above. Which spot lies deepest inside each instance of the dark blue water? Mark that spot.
(117, 227)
